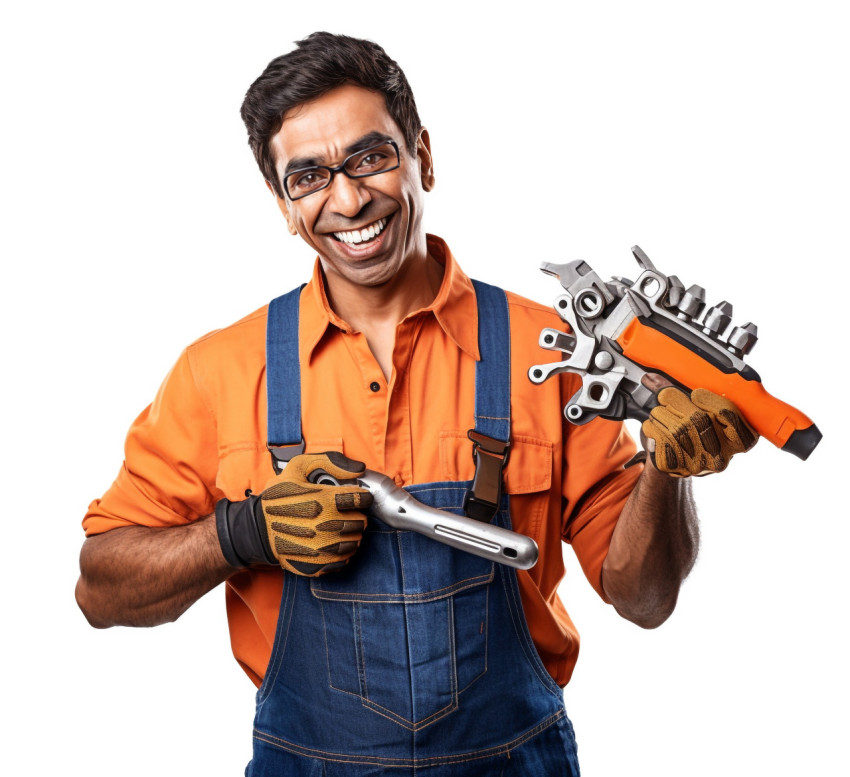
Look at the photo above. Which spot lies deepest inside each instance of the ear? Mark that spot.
(290, 225)
(284, 209)
(426, 162)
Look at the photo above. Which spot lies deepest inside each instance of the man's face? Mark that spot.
(325, 132)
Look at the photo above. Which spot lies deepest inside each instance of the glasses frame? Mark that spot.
(341, 169)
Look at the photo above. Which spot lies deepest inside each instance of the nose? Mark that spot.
(347, 196)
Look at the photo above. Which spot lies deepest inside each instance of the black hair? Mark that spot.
(322, 62)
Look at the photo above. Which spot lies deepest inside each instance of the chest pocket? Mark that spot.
(407, 631)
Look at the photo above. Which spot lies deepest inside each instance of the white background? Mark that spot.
(135, 220)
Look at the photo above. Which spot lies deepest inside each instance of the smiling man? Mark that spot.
(376, 649)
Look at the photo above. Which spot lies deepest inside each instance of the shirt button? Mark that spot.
(375, 386)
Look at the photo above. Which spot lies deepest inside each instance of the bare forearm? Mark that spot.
(653, 549)
(140, 576)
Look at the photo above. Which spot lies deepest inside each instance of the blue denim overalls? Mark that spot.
(416, 658)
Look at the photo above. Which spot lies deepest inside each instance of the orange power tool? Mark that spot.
(622, 330)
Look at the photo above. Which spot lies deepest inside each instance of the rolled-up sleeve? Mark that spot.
(170, 461)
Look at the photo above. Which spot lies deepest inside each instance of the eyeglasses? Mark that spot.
(372, 161)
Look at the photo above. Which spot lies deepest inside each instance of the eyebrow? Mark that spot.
(368, 140)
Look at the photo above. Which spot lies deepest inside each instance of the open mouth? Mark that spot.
(364, 235)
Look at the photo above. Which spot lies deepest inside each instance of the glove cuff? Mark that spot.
(224, 539)
(242, 533)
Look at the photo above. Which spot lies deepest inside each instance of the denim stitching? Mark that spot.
(400, 550)
(473, 755)
(450, 612)
(360, 653)
(410, 725)
(427, 596)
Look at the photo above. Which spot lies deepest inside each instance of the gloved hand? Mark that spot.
(696, 435)
(308, 529)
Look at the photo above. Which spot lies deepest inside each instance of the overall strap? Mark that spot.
(283, 379)
(491, 434)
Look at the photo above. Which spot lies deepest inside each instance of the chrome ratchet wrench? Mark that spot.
(399, 510)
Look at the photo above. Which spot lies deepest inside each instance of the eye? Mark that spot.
(306, 180)
(372, 160)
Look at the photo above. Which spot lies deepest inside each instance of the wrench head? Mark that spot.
(567, 273)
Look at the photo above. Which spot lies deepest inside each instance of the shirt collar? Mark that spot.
(454, 307)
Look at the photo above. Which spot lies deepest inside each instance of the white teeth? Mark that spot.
(362, 235)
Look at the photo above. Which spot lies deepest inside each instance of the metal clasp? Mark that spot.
(490, 455)
(281, 454)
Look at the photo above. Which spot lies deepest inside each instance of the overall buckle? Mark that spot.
(282, 454)
(490, 455)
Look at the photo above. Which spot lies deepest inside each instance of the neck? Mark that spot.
(363, 307)
(375, 311)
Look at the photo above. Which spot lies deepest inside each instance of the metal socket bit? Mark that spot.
(743, 338)
(716, 319)
(675, 292)
(693, 301)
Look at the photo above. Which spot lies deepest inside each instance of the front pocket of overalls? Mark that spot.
(407, 649)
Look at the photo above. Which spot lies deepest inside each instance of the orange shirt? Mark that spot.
(204, 438)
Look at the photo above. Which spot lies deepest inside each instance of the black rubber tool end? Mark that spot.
(803, 441)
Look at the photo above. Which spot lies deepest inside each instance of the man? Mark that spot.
(375, 649)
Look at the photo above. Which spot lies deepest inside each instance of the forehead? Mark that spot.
(322, 129)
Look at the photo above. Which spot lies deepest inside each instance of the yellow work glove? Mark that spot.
(308, 529)
(313, 529)
(696, 435)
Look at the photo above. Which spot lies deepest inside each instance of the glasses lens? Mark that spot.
(304, 182)
(378, 159)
